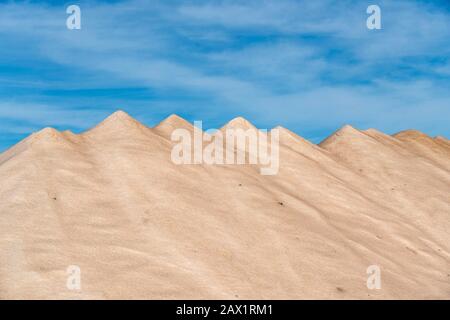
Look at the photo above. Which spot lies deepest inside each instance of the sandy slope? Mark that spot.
(112, 202)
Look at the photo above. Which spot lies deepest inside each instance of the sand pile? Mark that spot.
(112, 202)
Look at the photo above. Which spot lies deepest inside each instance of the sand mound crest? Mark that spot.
(171, 123)
(163, 231)
(238, 123)
(118, 125)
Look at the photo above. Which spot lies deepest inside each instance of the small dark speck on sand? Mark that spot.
(340, 289)
(281, 203)
(412, 250)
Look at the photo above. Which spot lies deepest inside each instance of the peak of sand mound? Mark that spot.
(412, 135)
(239, 123)
(117, 124)
(118, 119)
(171, 123)
(417, 139)
(425, 146)
(347, 130)
(46, 135)
(346, 134)
(47, 138)
(174, 121)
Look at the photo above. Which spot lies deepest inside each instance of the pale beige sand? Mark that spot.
(112, 202)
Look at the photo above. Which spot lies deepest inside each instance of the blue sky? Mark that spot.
(311, 66)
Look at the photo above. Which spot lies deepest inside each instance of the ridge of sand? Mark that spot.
(238, 123)
(172, 122)
(117, 125)
(287, 135)
(111, 202)
(442, 141)
(300, 145)
(346, 134)
(425, 146)
(290, 138)
(374, 133)
(441, 138)
(415, 137)
(50, 136)
(412, 135)
(387, 140)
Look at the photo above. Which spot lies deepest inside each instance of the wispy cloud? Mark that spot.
(309, 65)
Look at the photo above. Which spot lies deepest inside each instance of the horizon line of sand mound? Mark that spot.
(111, 201)
(121, 121)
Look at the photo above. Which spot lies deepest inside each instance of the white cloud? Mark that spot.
(303, 63)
